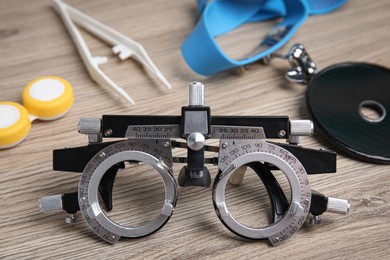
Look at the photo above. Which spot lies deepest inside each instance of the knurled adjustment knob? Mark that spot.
(340, 206)
(50, 203)
(301, 127)
(196, 94)
(89, 126)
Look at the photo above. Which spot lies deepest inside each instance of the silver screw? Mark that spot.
(166, 144)
(282, 133)
(71, 219)
(224, 145)
(102, 154)
(83, 199)
(276, 240)
(315, 220)
(108, 132)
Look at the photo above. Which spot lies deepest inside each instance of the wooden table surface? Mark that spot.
(34, 43)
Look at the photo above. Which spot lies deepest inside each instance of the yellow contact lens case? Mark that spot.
(44, 98)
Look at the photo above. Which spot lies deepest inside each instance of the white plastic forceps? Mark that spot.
(122, 45)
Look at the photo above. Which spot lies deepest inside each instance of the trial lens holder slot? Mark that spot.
(242, 144)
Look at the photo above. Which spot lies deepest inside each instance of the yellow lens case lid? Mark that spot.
(14, 124)
(48, 97)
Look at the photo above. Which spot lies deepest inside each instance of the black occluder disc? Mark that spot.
(335, 98)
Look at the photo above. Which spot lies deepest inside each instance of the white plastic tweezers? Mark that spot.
(123, 46)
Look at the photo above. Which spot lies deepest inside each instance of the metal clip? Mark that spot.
(302, 66)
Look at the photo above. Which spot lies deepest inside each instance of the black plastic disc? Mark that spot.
(350, 105)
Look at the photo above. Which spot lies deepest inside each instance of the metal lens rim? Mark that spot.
(273, 229)
(96, 212)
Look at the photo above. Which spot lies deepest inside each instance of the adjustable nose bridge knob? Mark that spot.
(195, 141)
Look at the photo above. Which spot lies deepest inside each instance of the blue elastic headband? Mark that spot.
(204, 56)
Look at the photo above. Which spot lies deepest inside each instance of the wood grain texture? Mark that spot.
(34, 42)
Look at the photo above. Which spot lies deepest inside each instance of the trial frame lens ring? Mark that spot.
(95, 216)
(295, 214)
